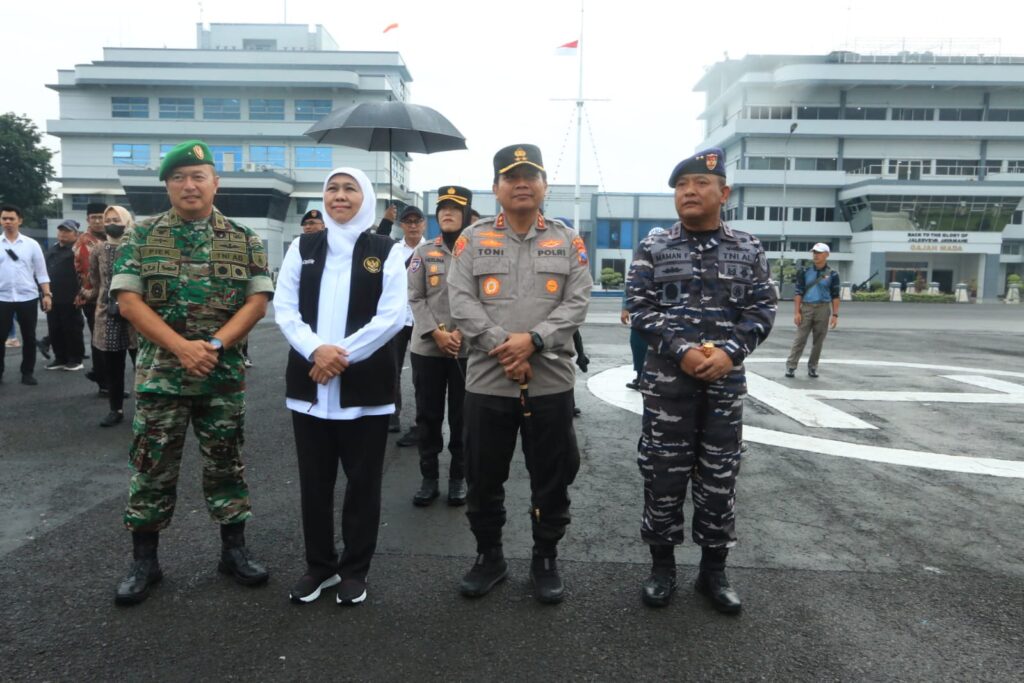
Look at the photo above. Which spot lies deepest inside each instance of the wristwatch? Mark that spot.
(217, 344)
(538, 342)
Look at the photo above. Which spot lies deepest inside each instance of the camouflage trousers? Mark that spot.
(695, 438)
(159, 434)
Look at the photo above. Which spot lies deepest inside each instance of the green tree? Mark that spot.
(611, 278)
(25, 172)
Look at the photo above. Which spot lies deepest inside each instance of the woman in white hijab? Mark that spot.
(341, 297)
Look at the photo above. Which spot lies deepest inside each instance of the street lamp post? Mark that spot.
(785, 208)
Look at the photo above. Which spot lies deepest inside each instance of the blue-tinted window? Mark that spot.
(311, 110)
(433, 229)
(164, 149)
(614, 234)
(222, 108)
(312, 157)
(226, 157)
(266, 156)
(266, 110)
(129, 107)
(131, 155)
(177, 108)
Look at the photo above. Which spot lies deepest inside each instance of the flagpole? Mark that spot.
(579, 128)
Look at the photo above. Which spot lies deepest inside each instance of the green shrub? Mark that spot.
(1013, 279)
(929, 298)
(611, 278)
(878, 295)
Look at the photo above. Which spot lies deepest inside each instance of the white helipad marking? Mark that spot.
(988, 383)
(801, 405)
(610, 387)
(907, 396)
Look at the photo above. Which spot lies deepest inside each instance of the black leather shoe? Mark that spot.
(456, 492)
(659, 587)
(427, 493)
(29, 380)
(145, 570)
(234, 557)
(633, 384)
(113, 417)
(410, 438)
(812, 372)
(547, 584)
(394, 426)
(576, 412)
(790, 372)
(44, 348)
(489, 570)
(715, 585)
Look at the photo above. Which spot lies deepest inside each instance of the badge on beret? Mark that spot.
(414, 264)
(371, 264)
(460, 245)
(711, 160)
(198, 152)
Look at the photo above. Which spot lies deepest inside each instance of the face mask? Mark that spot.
(115, 231)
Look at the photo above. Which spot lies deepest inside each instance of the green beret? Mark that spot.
(188, 153)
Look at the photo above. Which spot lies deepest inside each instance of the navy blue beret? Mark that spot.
(710, 160)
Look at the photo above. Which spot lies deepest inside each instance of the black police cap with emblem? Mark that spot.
(315, 214)
(455, 194)
(708, 161)
(509, 157)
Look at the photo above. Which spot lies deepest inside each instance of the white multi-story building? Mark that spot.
(250, 91)
(909, 166)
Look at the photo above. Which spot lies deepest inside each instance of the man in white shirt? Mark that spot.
(22, 275)
(413, 225)
(341, 296)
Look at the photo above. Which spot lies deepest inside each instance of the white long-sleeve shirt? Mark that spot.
(407, 253)
(332, 317)
(19, 277)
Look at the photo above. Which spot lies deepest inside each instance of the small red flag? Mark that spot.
(391, 26)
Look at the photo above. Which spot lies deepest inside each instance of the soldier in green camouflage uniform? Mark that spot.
(193, 283)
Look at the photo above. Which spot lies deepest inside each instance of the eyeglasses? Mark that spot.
(412, 221)
(10, 252)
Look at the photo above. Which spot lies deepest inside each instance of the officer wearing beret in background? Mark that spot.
(193, 283)
(701, 296)
(312, 221)
(437, 352)
(519, 287)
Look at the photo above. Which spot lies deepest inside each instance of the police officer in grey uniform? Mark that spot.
(436, 350)
(519, 287)
(701, 297)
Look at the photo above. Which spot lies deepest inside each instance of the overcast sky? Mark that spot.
(491, 67)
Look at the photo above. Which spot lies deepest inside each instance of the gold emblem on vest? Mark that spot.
(371, 264)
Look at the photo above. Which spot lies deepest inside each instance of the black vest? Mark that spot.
(371, 381)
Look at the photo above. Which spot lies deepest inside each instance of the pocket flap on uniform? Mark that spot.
(551, 265)
(490, 266)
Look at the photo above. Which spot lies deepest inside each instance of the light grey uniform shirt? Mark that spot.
(428, 297)
(501, 282)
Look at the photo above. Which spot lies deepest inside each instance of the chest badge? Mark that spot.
(551, 285)
(491, 286)
(371, 264)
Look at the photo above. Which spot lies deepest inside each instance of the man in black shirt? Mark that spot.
(64, 320)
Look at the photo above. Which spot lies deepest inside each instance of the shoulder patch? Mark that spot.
(415, 264)
(581, 250)
(460, 245)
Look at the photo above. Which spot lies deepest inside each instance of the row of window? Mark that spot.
(218, 108)
(230, 157)
(911, 168)
(787, 112)
(806, 214)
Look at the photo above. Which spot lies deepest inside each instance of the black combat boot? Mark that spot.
(547, 584)
(659, 586)
(427, 493)
(712, 581)
(489, 570)
(234, 557)
(145, 571)
(456, 492)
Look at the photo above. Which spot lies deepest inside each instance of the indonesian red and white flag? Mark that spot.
(568, 50)
(390, 26)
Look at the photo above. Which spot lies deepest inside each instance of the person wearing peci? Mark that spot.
(815, 309)
(88, 241)
(519, 288)
(341, 297)
(193, 283)
(437, 353)
(64, 321)
(701, 296)
(22, 277)
(113, 335)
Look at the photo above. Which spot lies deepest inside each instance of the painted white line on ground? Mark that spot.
(912, 397)
(988, 383)
(609, 386)
(800, 405)
(895, 364)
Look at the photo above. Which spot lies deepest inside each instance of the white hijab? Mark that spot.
(367, 214)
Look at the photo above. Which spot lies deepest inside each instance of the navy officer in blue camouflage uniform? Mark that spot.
(702, 299)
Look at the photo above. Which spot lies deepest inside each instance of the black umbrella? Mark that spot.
(388, 127)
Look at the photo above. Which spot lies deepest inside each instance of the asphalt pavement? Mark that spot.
(850, 568)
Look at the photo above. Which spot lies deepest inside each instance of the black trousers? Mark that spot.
(434, 377)
(359, 445)
(552, 459)
(399, 344)
(64, 322)
(27, 312)
(97, 356)
(113, 364)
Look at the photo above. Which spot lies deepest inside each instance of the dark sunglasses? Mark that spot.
(10, 252)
